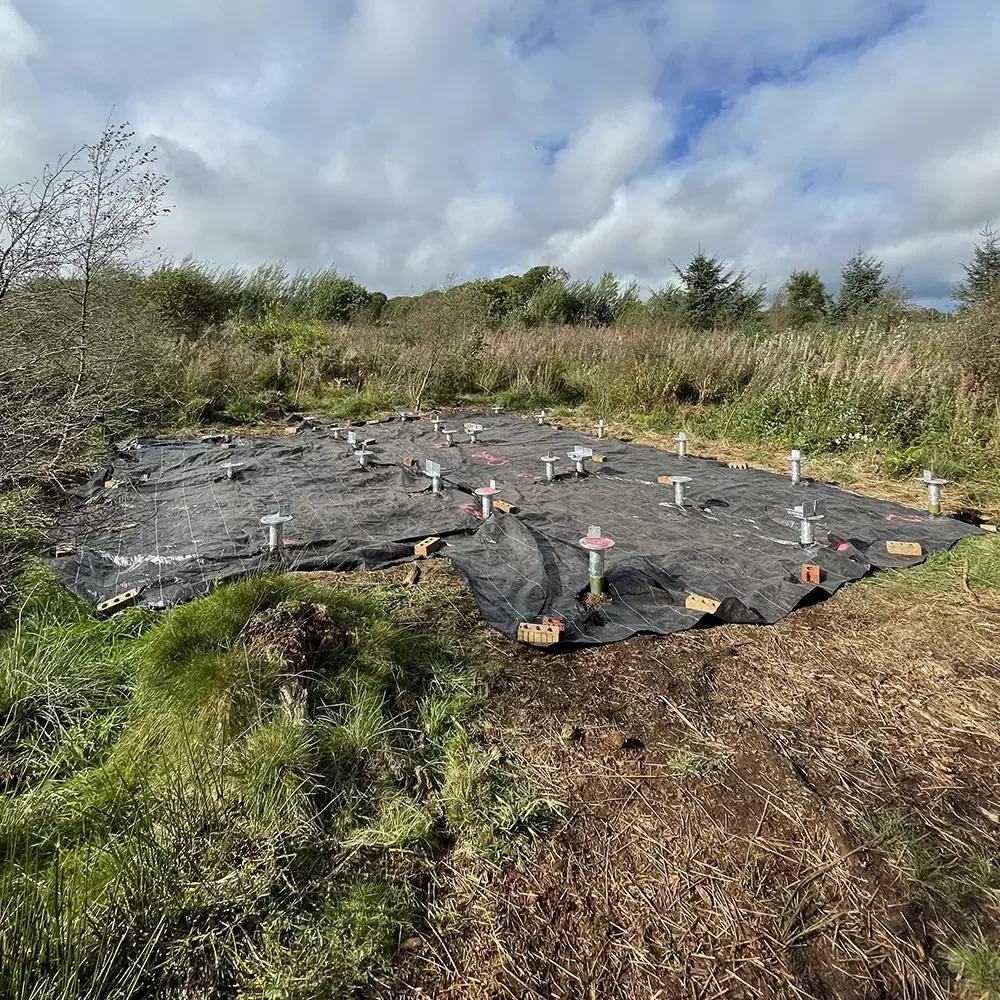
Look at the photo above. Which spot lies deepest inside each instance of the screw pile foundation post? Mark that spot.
(934, 484)
(541, 417)
(433, 469)
(275, 524)
(448, 435)
(682, 444)
(596, 546)
(795, 465)
(436, 423)
(550, 466)
(680, 489)
(807, 515)
(486, 495)
(599, 427)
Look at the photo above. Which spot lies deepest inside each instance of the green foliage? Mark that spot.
(863, 289)
(976, 965)
(186, 297)
(168, 828)
(336, 299)
(807, 298)
(709, 296)
(982, 275)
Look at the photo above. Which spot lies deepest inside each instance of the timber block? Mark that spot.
(810, 573)
(988, 527)
(665, 480)
(540, 634)
(904, 548)
(427, 546)
(112, 604)
(695, 602)
(291, 431)
(507, 508)
(408, 461)
(111, 484)
(598, 458)
(554, 622)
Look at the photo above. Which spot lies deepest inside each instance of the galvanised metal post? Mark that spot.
(680, 489)
(934, 484)
(795, 464)
(596, 546)
(486, 495)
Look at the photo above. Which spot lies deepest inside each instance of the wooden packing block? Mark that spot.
(665, 480)
(695, 602)
(427, 546)
(116, 603)
(507, 508)
(408, 461)
(598, 458)
(226, 445)
(64, 549)
(988, 527)
(367, 441)
(554, 622)
(291, 431)
(810, 573)
(904, 548)
(111, 484)
(541, 634)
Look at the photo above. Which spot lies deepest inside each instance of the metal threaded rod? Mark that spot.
(550, 466)
(682, 446)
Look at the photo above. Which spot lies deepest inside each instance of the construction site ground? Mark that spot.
(804, 810)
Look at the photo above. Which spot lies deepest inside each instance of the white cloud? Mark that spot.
(408, 141)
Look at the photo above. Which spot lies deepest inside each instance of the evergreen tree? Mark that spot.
(982, 276)
(862, 290)
(807, 300)
(716, 297)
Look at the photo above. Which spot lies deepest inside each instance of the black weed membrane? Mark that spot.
(170, 519)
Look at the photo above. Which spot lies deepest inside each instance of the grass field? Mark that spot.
(322, 786)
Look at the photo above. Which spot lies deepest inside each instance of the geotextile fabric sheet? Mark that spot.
(175, 526)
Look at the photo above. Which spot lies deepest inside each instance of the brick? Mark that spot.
(695, 602)
(539, 634)
(427, 546)
(507, 508)
(904, 548)
(116, 603)
(810, 573)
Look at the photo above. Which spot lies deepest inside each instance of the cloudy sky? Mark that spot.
(409, 141)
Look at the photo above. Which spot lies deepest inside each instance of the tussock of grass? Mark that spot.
(167, 825)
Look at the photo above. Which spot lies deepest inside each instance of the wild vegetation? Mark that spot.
(284, 788)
